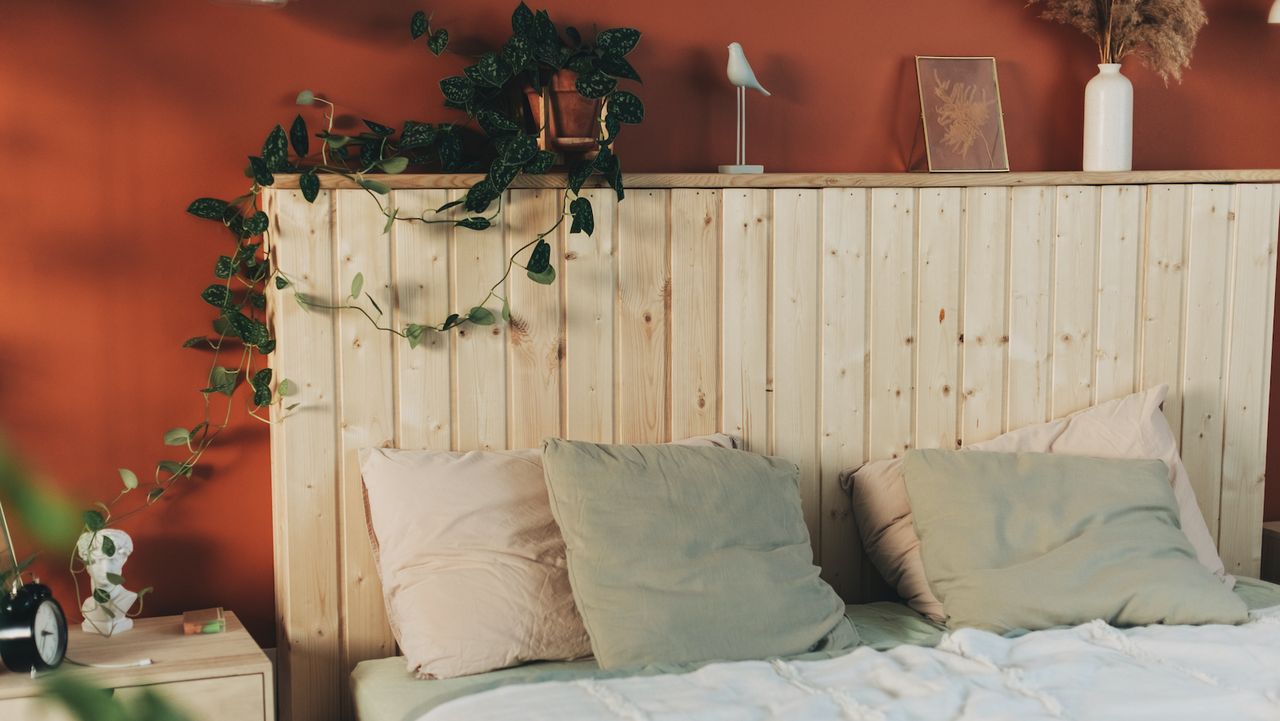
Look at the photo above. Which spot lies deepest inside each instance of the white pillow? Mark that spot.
(1129, 427)
(471, 560)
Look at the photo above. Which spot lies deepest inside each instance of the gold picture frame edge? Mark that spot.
(924, 122)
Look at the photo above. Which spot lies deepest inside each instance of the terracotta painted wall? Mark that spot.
(114, 114)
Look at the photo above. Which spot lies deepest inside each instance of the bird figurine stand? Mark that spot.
(742, 77)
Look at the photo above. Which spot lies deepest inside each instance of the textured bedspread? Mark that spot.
(1091, 672)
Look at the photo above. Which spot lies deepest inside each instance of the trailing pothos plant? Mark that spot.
(491, 94)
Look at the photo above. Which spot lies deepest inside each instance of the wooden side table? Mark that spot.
(1271, 552)
(216, 677)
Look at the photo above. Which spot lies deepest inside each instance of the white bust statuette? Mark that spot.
(109, 617)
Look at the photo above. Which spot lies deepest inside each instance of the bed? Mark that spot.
(830, 320)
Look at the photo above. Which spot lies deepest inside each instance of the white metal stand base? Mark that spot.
(740, 169)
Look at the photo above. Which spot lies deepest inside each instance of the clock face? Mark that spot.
(50, 628)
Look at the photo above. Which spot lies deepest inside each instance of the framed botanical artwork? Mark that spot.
(962, 117)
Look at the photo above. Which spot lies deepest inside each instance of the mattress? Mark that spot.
(383, 690)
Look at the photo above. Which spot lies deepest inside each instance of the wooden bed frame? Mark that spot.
(825, 318)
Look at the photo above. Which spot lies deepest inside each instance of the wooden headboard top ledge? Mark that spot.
(826, 318)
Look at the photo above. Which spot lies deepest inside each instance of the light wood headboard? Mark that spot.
(828, 319)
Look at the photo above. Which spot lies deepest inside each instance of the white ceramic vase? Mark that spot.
(1108, 121)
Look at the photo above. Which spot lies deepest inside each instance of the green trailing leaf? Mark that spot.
(252, 332)
(506, 310)
(515, 150)
(223, 268)
(101, 596)
(309, 184)
(375, 186)
(391, 220)
(177, 437)
(115, 578)
(618, 68)
(517, 54)
(128, 478)
(208, 208)
(583, 219)
(305, 97)
(217, 296)
(299, 138)
(154, 494)
(261, 384)
(257, 223)
(108, 546)
(616, 42)
(522, 21)
(579, 174)
(413, 333)
(418, 25)
(394, 165)
(438, 41)
(481, 315)
(458, 89)
(267, 347)
(261, 171)
(453, 320)
(94, 520)
(541, 162)
(480, 195)
(574, 36)
(379, 129)
(450, 204)
(286, 388)
(416, 135)
(176, 469)
(546, 277)
(478, 222)
(221, 326)
(281, 282)
(196, 341)
(626, 107)
(357, 285)
(489, 70)
(337, 141)
(275, 151)
(540, 258)
(495, 123)
(223, 380)
(595, 85)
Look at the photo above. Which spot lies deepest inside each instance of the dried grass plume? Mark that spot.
(1162, 33)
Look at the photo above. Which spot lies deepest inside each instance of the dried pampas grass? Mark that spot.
(1162, 33)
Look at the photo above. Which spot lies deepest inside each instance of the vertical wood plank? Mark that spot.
(1119, 266)
(695, 312)
(893, 321)
(1257, 223)
(795, 320)
(420, 264)
(366, 419)
(1209, 250)
(308, 601)
(1163, 281)
(983, 330)
(745, 286)
(1030, 306)
(480, 358)
(643, 296)
(1074, 298)
(941, 240)
(589, 280)
(534, 336)
(845, 245)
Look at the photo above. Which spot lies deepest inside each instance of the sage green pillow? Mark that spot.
(681, 554)
(1031, 541)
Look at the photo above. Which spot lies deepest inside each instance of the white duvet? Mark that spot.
(1091, 672)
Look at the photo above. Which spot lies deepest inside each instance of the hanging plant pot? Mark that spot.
(569, 122)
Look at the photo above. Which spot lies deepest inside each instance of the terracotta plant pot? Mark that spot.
(574, 124)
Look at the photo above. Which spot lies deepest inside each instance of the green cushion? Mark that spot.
(1031, 541)
(681, 554)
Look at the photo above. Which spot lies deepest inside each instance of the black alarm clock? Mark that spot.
(33, 629)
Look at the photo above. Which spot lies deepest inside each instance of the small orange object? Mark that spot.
(208, 620)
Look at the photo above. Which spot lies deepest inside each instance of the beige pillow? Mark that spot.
(471, 560)
(1129, 427)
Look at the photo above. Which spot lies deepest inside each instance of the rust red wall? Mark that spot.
(113, 115)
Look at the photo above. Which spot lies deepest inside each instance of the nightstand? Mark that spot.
(1271, 552)
(215, 677)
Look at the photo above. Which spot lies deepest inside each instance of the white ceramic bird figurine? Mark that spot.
(742, 77)
(740, 72)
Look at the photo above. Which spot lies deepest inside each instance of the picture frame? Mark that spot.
(962, 115)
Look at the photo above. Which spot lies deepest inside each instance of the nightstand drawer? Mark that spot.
(230, 698)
